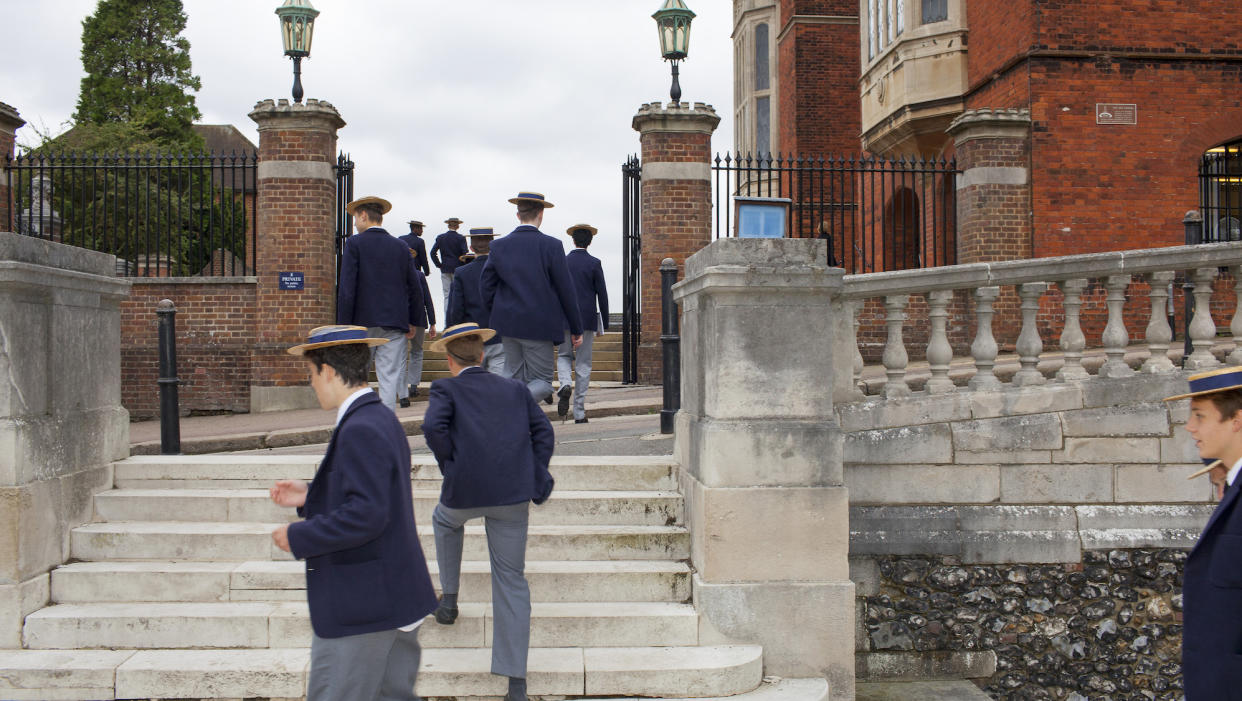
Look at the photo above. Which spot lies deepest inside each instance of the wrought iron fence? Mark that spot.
(631, 257)
(344, 195)
(1220, 193)
(161, 215)
(876, 214)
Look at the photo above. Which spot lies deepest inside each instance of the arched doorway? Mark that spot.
(1220, 192)
(901, 231)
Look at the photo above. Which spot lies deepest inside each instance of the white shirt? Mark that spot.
(340, 414)
(1233, 472)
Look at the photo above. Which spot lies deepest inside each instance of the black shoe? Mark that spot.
(445, 615)
(547, 399)
(510, 696)
(580, 421)
(562, 405)
(413, 390)
(404, 402)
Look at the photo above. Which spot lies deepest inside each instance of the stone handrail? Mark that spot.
(1032, 278)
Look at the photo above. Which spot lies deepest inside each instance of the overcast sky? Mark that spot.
(451, 107)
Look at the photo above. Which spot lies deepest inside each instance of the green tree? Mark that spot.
(138, 75)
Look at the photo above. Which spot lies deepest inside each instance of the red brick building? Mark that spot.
(1078, 126)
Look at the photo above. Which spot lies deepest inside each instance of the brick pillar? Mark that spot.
(296, 220)
(10, 122)
(994, 189)
(676, 206)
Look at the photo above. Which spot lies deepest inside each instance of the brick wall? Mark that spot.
(215, 327)
(817, 79)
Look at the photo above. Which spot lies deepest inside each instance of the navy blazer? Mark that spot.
(448, 250)
(377, 285)
(493, 443)
(527, 289)
(587, 274)
(365, 570)
(418, 247)
(428, 307)
(1212, 606)
(466, 299)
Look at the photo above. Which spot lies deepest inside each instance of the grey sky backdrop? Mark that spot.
(451, 107)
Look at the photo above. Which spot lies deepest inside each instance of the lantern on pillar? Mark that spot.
(673, 21)
(297, 28)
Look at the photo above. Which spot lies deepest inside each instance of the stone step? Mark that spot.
(260, 471)
(550, 581)
(157, 625)
(204, 541)
(254, 505)
(281, 674)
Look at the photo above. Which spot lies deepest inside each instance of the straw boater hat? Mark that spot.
(465, 330)
(452, 220)
(415, 222)
(466, 257)
(482, 232)
(580, 227)
(384, 204)
(324, 336)
(1211, 382)
(531, 197)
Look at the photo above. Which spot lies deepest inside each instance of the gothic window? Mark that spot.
(1220, 192)
(935, 11)
(763, 126)
(763, 77)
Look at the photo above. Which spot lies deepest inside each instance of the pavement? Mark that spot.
(619, 415)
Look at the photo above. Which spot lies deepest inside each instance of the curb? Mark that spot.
(291, 437)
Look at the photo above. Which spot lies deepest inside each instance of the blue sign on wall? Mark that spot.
(292, 281)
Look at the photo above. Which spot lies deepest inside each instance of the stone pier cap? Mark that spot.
(788, 264)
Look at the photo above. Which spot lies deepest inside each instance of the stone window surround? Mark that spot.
(912, 28)
(745, 95)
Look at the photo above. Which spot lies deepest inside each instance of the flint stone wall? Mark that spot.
(1031, 539)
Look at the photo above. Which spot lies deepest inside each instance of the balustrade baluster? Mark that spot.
(1202, 327)
(939, 352)
(1030, 345)
(1235, 326)
(1072, 339)
(1115, 337)
(855, 307)
(984, 349)
(1158, 332)
(895, 357)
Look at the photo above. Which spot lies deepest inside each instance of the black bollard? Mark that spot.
(1193, 221)
(170, 416)
(671, 341)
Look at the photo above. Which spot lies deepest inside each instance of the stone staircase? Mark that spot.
(177, 592)
(605, 359)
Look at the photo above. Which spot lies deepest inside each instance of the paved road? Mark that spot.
(609, 435)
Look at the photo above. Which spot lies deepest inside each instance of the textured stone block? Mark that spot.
(1156, 484)
(762, 453)
(1012, 401)
(1111, 392)
(1109, 450)
(878, 412)
(926, 666)
(1029, 432)
(1004, 457)
(920, 445)
(1056, 484)
(1129, 420)
(934, 484)
(1179, 448)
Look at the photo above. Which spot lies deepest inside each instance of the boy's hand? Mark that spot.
(280, 537)
(288, 493)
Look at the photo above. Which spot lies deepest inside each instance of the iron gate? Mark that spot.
(344, 195)
(631, 272)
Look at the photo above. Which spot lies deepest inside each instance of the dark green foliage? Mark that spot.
(138, 75)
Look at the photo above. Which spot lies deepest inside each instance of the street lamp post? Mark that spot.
(297, 29)
(673, 21)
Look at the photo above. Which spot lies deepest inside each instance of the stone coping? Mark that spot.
(36, 251)
(197, 280)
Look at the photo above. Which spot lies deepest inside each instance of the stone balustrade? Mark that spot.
(1031, 280)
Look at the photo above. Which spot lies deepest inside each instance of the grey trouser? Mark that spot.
(389, 364)
(414, 359)
(531, 362)
(506, 548)
(494, 358)
(380, 666)
(446, 284)
(580, 362)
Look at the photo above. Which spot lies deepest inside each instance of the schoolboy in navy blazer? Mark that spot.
(1212, 579)
(415, 241)
(377, 283)
(526, 287)
(488, 456)
(587, 274)
(448, 250)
